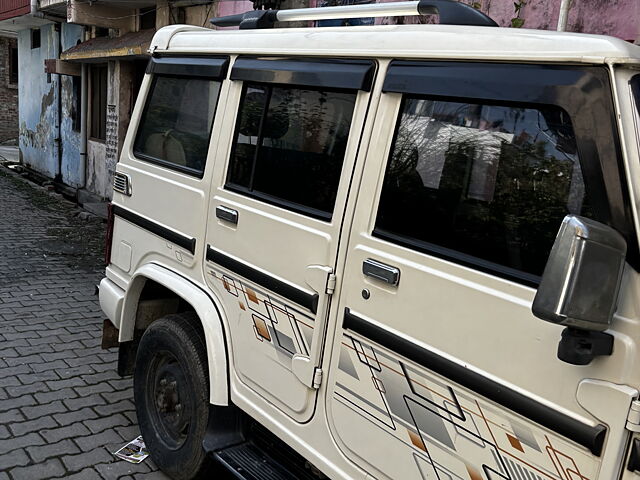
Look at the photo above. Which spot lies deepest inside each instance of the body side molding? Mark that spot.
(591, 437)
(288, 291)
(188, 243)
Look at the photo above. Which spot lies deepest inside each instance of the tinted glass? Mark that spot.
(176, 123)
(483, 184)
(290, 145)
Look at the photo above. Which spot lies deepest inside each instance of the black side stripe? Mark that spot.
(268, 282)
(591, 437)
(188, 243)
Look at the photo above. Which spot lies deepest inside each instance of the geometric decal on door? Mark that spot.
(450, 432)
(278, 326)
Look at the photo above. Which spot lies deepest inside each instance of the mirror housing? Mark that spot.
(581, 281)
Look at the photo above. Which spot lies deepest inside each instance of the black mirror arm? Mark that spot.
(580, 347)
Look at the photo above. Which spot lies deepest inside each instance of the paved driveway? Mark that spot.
(63, 408)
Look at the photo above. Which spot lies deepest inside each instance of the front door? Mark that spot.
(440, 369)
(276, 216)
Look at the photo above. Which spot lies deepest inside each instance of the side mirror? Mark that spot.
(580, 286)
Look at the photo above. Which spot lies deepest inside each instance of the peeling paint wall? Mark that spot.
(71, 35)
(37, 100)
(103, 156)
(39, 103)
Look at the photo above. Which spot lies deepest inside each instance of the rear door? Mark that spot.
(276, 216)
(440, 369)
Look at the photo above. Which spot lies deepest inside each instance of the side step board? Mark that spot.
(247, 461)
(241, 448)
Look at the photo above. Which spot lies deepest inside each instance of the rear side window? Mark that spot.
(481, 184)
(176, 123)
(289, 146)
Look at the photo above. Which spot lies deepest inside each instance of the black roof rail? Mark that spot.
(451, 12)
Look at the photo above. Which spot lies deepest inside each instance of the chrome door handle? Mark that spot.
(381, 271)
(227, 214)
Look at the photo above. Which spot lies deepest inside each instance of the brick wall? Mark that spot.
(8, 92)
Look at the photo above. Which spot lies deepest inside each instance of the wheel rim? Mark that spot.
(168, 400)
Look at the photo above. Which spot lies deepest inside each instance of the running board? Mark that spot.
(247, 461)
(246, 450)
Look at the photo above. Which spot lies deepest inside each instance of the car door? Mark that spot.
(439, 369)
(276, 215)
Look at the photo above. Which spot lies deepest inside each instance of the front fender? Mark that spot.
(204, 307)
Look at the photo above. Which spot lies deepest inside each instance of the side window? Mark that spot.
(175, 127)
(481, 184)
(289, 146)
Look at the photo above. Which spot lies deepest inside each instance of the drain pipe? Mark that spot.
(564, 15)
(58, 140)
(84, 110)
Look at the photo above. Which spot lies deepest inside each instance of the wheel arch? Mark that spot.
(206, 310)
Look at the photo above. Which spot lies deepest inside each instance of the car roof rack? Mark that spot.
(450, 12)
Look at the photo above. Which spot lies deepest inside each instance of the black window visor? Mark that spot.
(209, 67)
(320, 73)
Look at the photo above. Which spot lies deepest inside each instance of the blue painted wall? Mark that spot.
(38, 98)
(71, 35)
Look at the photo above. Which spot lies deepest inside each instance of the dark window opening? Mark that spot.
(76, 100)
(148, 18)
(13, 65)
(482, 184)
(176, 123)
(35, 38)
(99, 103)
(289, 146)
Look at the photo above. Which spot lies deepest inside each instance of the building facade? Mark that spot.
(74, 113)
(8, 89)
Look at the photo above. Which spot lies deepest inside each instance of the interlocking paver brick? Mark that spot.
(57, 385)
(37, 425)
(16, 458)
(41, 453)
(48, 469)
(47, 409)
(82, 460)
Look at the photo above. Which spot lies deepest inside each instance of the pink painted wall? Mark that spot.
(619, 18)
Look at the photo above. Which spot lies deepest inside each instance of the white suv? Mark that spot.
(330, 248)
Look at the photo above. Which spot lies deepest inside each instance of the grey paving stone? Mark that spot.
(47, 409)
(108, 437)
(61, 394)
(48, 469)
(75, 416)
(41, 453)
(10, 444)
(100, 424)
(16, 458)
(86, 474)
(113, 471)
(70, 431)
(37, 425)
(87, 459)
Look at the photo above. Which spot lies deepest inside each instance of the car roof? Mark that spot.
(402, 41)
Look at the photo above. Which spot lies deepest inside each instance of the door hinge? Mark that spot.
(331, 283)
(633, 417)
(317, 378)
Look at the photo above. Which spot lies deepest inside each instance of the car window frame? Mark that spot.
(294, 207)
(612, 194)
(211, 68)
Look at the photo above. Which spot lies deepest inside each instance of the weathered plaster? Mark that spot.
(97, 170)
(38, 97)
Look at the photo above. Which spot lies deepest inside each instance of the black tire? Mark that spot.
(171, 388)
